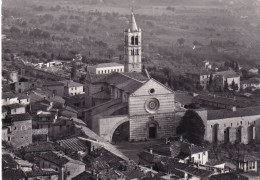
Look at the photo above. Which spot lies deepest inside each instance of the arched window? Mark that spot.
(137, 52)
(136, 40)
(132, 40)
(133, 52)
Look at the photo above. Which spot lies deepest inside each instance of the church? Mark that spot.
(129, 99)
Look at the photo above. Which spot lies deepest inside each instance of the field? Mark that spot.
(223, 30)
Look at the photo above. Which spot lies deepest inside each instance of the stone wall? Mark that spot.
(234, 129)
(21, 133)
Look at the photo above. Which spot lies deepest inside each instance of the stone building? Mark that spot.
(106, 68)
(227, 76)
(19, 129)
(66, 167)
(200, 78)
(236, 125)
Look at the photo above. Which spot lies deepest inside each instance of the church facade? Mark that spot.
(131, 96)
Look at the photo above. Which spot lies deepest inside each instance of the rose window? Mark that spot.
(152, 105)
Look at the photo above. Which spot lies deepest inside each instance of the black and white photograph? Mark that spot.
(130, 89)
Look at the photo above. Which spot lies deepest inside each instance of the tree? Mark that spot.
(234, 86)
(181, 41)
(226, 86)
(192, 127)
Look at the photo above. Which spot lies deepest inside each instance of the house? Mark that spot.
(24, 99)
(20, 129)
(15, 108)
(64, 165)
(189, 153)
(23, 85)
(72, 88)
(183, 171)
(105, 68)
(253, 83)
(247, 163)
(200, 78)
(21, 169)
(60, 128)
(55, 86)
(9, 98)
(228, 77)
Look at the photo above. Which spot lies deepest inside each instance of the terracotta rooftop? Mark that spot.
(71, 83)
(8, 162)
(240, 112)
(13, 174)
(39, 147)
(84, 175)
(40, 172)
(20, 117)
(8, 95)
(54, 158)
(73, 144)
(227, 74)
(104, 65)
(228, 176)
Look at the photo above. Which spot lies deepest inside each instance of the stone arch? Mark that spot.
(215, 132)
(239, 134)
(112, 131)
(251, 133)
(227, 135)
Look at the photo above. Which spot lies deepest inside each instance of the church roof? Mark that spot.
(240, 112)
(104, 65)
(133, 26)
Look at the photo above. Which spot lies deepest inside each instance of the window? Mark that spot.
(132, 40)
(27, 100)
(151, 91)
(199, 156)
(136, 40)
(241, 122)
(68, 173)
(204, 153)
(9, 138)
(71, 88)
(224, 125)
(14, 128)
(75, 88)
(231, 124)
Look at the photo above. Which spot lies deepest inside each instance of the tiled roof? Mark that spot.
(84, 176)
(183, 97)
(8, 162)
(20, 117)
(54, 158)
(13, 174)
(240, 112)
(39, 147)
(124, 82)
(101, 95)
(227, 74)
(222, 100)
(71, 83)
(14, 106)
(191, 148)
(137, 76)
(247, 157)
(8, 95)
(96, 78)
(228, 176)
(162, 149)
(53, 83)
(104, 65)
(251, 81)
(41, 172)
(73, 144)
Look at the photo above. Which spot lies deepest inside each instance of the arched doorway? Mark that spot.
(227, 135)
(215, 133)
(152, 130)
(121, 133)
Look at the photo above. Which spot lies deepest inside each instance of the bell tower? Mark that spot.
(132, 47)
